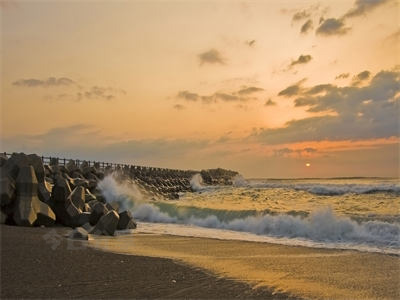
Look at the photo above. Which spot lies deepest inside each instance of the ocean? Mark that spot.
(342, 213)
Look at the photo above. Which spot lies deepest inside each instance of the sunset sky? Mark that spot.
(261, 87)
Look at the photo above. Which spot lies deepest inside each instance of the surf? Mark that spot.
(321, 226)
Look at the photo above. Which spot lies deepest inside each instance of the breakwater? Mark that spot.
(42, 191)
(164, 182)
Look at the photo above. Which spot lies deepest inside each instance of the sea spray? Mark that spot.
(321, 225)
(125, 193)
(196, 183)
(239, 181)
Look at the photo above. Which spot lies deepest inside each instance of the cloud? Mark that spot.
(302, 101)
(100, 93)
(285, 152)
(211, 56)
(360, 77)
(361, 7)
(342, 76)
(82, 141)
(269, 102)
(307, 26)
(73, 90)
(319, 89)
(336, 26)
(332, 26)
(251, 43)
(301, 15)
(352, 113)
(243, 95)
(49, 82)
(292, 90)
(303, 59)
(226, 97)
(363, 75)
(188, 96)
(179, 107)
(249, 90)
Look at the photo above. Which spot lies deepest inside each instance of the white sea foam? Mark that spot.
(321, 226)
(196, 183)
(332, 189)
(239, 181)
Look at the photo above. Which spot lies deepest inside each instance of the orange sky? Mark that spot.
(262, 87)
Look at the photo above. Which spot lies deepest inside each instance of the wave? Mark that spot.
(320, 226)
(196, 183)
(333, 189)
(239, 181)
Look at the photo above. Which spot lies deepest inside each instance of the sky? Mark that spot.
(276, 89)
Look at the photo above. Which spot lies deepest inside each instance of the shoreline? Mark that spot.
(194, 231)
(41, 263)
(313, 273)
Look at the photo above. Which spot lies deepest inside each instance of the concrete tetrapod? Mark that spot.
(107, 224)
(29, 210)
(126, 221)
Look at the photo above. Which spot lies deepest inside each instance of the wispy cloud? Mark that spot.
(361, 7)
(332, 26)
(211, 56)
(303, 59)
(301, 15)
(249, 90)
(72, 90)
(285, 152)
(251, 43)
(244, 94)
(49, 82)
(186, 95)
(360, 77)
(269, 102)
(292, 89)
(307, 26)
(342, 76)
(102, 93)
(179, 107)
(337, 26)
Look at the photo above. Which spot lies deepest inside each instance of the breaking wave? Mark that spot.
(333, 189)
(321, 226)
(196, 183)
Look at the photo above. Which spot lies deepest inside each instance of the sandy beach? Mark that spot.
(41, 263)
(299, 271)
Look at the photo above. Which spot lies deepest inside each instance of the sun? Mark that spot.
(308, 165)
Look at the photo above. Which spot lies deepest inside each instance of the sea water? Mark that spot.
(342, 213)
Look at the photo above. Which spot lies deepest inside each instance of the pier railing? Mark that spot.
(47, 160)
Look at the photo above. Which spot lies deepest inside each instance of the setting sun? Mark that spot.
(308, 164)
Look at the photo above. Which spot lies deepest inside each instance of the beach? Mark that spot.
(42, 263)
(303, 272)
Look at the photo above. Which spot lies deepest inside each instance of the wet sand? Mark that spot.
(42, 263)
(300, 271)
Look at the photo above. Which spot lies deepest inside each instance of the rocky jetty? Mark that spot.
(36, 194)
